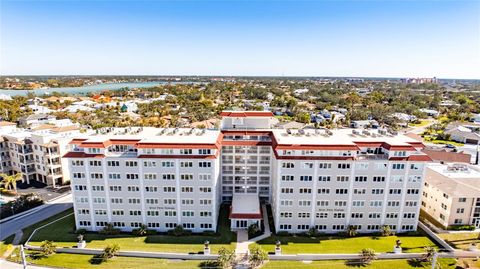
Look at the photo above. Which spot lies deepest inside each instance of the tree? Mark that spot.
(226, 258)
(257, 256)
(110, 251)
(352, 230)
(367, 255)
(253, 230)
(48, 248)
(429, 253)
(10, 182)
(385, 230)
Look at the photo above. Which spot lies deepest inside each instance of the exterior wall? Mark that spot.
(322, 207)
(447, 207)
(158, 215)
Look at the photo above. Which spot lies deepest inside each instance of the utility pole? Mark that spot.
(22, 255)
(434, 260)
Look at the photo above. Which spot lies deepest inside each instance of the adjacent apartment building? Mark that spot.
(36, 152)
(326, 179)
(451, 194)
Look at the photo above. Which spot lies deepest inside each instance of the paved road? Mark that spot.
(10, 227)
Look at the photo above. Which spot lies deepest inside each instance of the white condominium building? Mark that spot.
(451, 194)
(313, 178)
(36, 153)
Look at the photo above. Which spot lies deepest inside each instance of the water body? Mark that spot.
(88, 89)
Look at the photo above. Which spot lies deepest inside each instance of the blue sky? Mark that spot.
(309, 38)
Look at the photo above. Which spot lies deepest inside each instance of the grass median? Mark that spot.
(62, 233)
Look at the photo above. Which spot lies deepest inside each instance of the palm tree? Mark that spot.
(257, 256)
(368, 255)
(226, 258)
(352, 230)
(48, 248)
(385, 230)
(429, 254)
(10, 182)
(110, 251)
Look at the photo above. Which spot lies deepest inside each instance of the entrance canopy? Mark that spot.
(245, 211)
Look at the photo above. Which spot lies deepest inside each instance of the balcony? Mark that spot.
(367, 156)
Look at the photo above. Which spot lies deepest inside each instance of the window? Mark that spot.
(95, 163)
(131, 163)
(361, 179)
(96, 176)
(186, 164)
(132, 176)
(324, 178)
(340, 203)
(187, 201)
(83, 211)
(188, 214)
(168, 164)
(321, 215)
(304, 203)
(287, 178)
(150, 164)
(338, 215)
(150, 176)
(358, 203)
(133, 200)
(343, 166)
(409, 215)
(412, 191)
(458, 221)
(204, 177)
(206, 225)
(186, 151)
(186, 176)
(359, 191)
(306, 178)
(323, 191)
(303, 227)
(378, 179)
(115, 188)
(100, 212)
(374, 215)
(204, 151)
(205, 213)
(398, 166)
(114, 176)
(462, 200)
(285, 227)
(341, 191)
(303, 215)
(168, 176)
(325, 165)
(286, 214)
(305, 190)
(308, 165)
(78, 175)
(205, 202)
(187, 189)
(357, 215)
(135, 213)
(168, 189)
(205, 189)
(395, 191)
(133, 188)
(411, 203)
(288, 165)
(343, 178)
(169, 201)
(151, 189)
(396, 178)
(322, 203)
(287, 190)
(393, 203)
(416, 166)
(117, 212)
(391, 215)
(98, 200)
(80, 187)
(338, 227)
(113, 163)
(286, 202)
(77, 163)
(116, 200)
(460, 210)
(376, 203)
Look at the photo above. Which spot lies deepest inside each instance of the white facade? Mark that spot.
(37, 154)
(451, 194)
(312, 177)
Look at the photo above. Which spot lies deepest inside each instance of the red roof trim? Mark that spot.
(317, 147)
(77, 141)
(178, 156)
(246, 114)
(252, 132)
(420, 158)
(245, 143)
(245, 216)
(73, 154)
(175, 146)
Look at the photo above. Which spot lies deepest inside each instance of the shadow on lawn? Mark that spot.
(96, 259)
(355, 263)
(209, 264)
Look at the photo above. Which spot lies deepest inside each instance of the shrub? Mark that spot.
(462, 227)
(283, 233)
(385, 230)
(368, 255)
(109, 230)
(257, 256)
(81, 231)
(209, 233)
(312, 232)
(140, 231)
(253, 230)
(48, 248)
(110, 251)
(177, 231)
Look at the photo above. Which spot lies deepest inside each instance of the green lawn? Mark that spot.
(338, 244)
(6, 244)
(78, 261)
(341, 264)
(62, 233)
(460, 240)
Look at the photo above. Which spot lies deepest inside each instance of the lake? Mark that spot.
(87, 89)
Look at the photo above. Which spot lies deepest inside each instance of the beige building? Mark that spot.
(451, 194)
